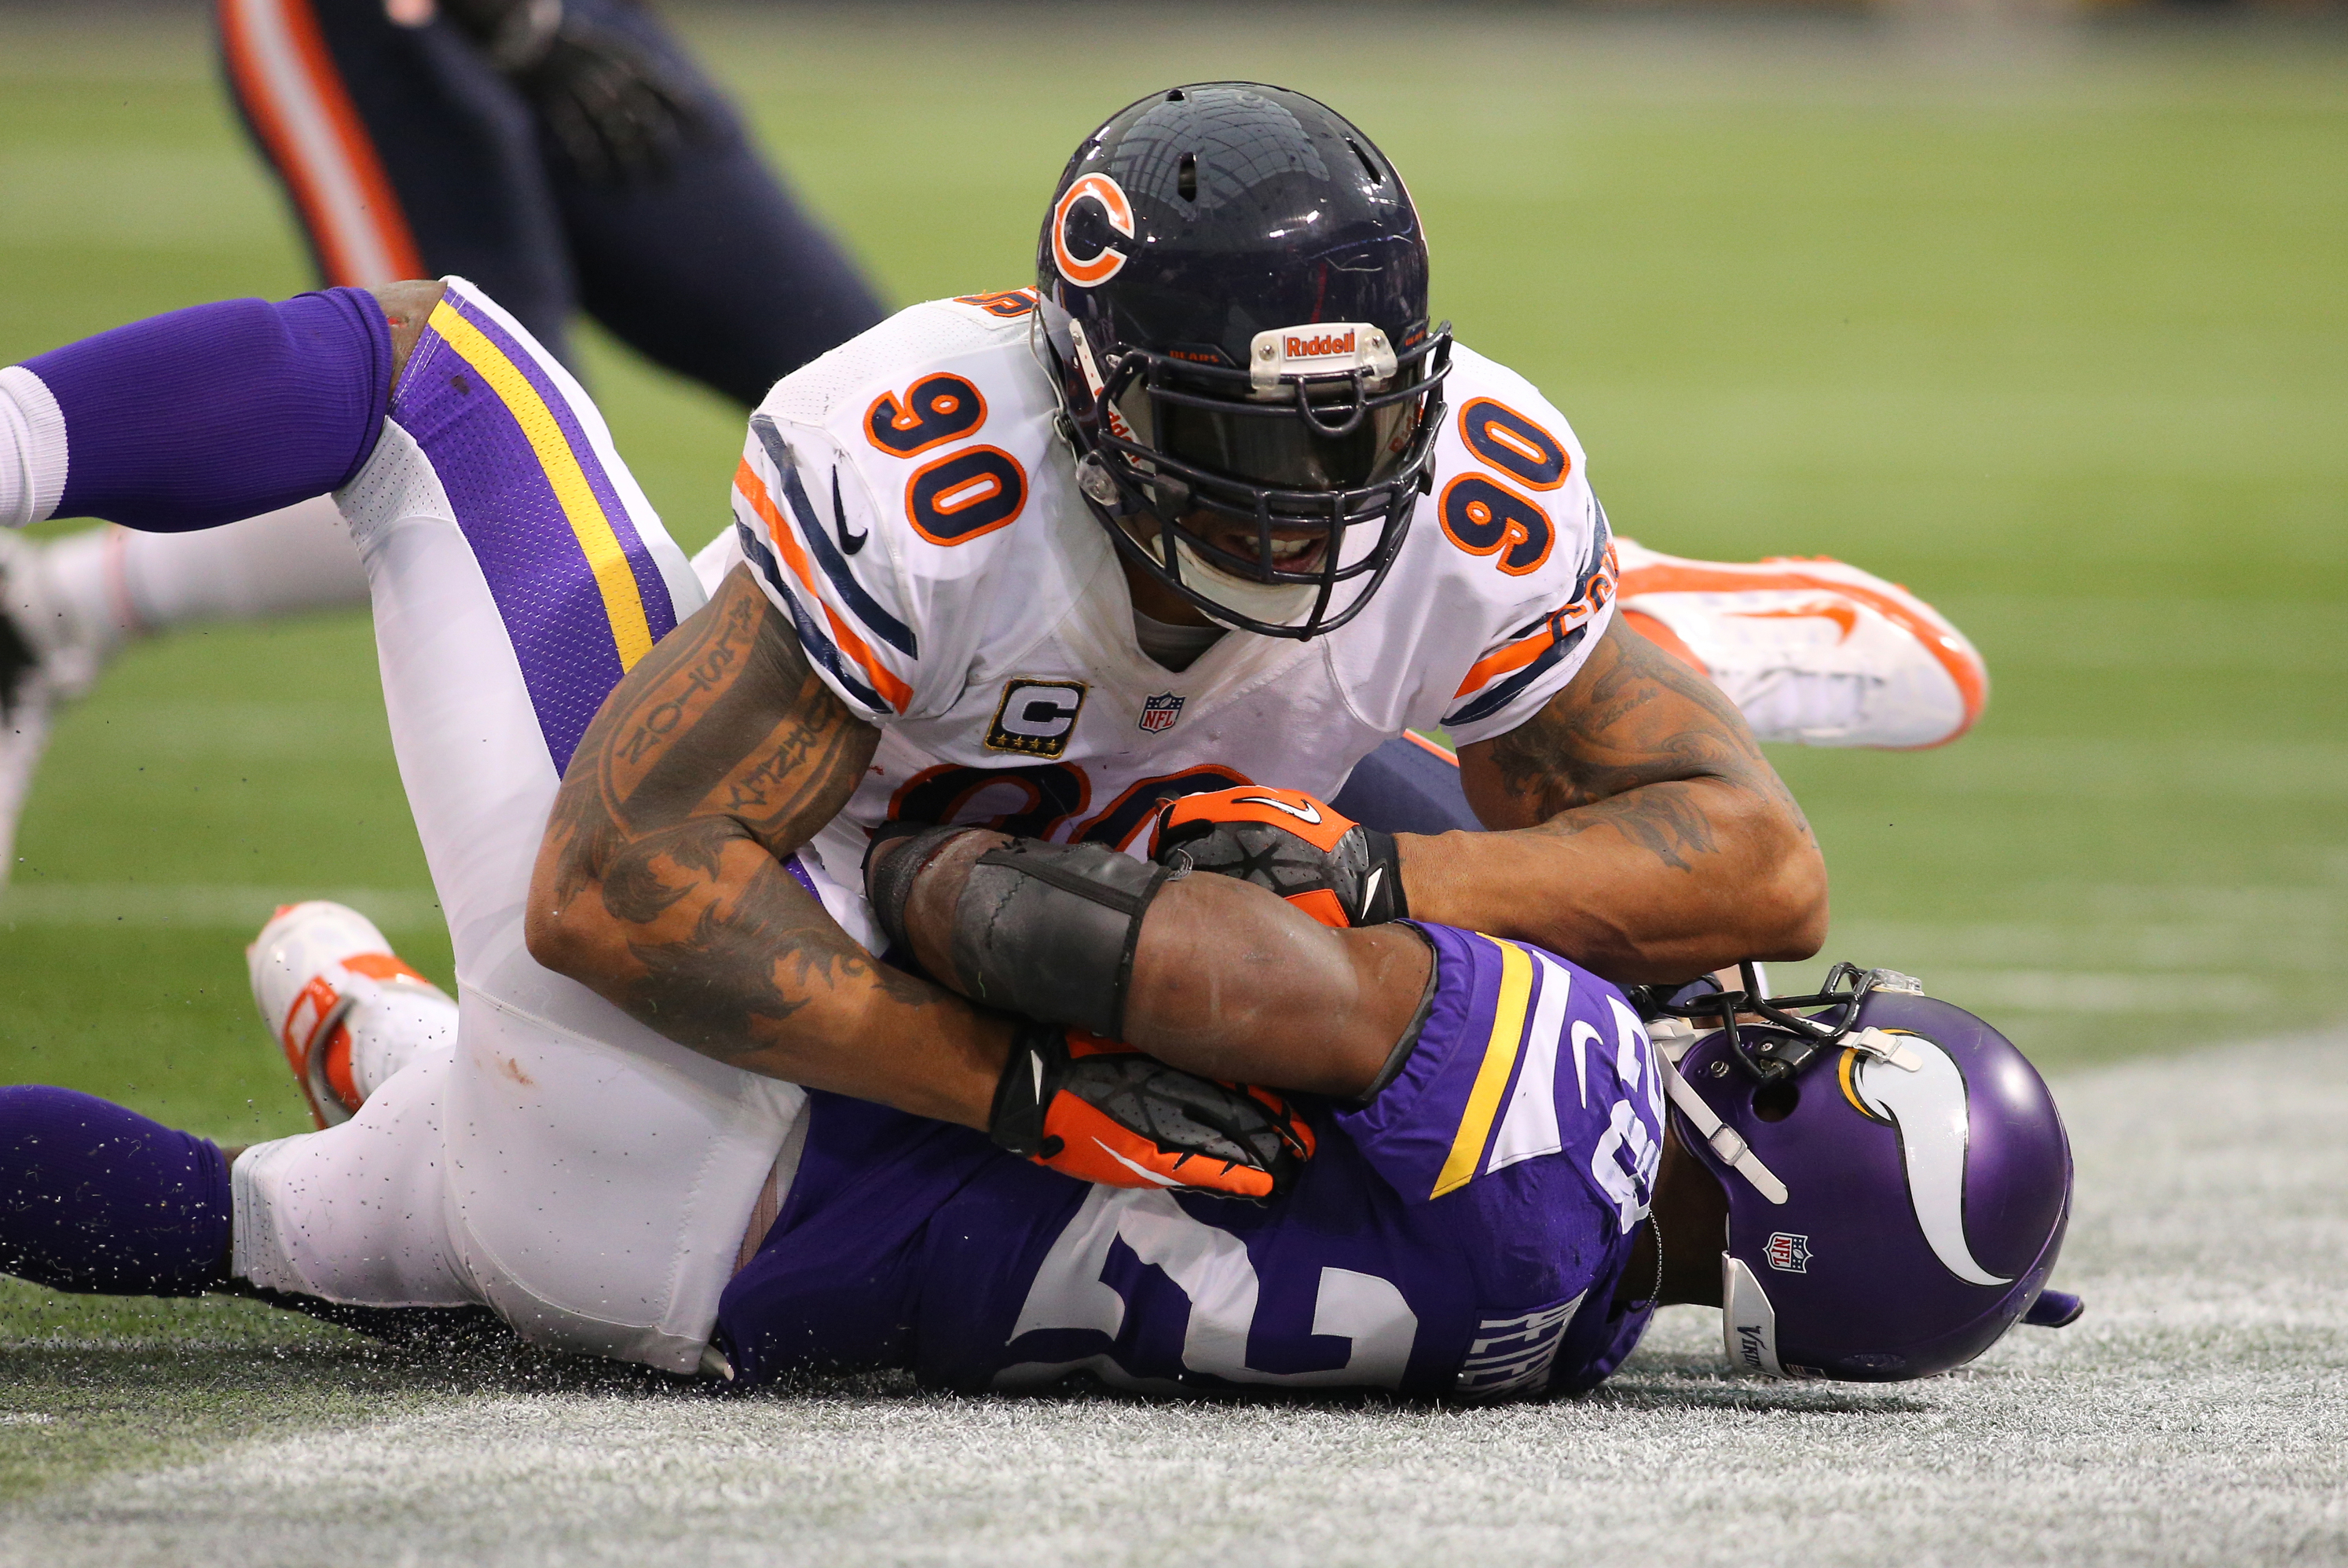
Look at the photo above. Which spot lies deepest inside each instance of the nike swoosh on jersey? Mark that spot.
(1307, 814)
(851, 544)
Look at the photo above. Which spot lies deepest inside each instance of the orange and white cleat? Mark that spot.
(1810, 650)
(346, 1010)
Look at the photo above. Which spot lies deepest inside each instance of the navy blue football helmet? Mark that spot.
(1235, 314)
(1898, 1178)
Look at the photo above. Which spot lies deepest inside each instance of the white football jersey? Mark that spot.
(906, 501)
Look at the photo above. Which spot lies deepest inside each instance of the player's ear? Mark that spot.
(406, 307)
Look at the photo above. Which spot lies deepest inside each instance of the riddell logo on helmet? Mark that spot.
(1324, 346)
(1318, 349)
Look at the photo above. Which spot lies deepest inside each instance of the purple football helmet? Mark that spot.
(1898, 1184)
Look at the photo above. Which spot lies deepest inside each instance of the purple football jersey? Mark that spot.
(1459, 1236)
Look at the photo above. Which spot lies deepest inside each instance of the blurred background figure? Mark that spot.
(566, 155)
(563, 154)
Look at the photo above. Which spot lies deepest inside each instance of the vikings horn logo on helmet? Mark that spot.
(1091, 271)
(1938, 1147)
(1926, 1104)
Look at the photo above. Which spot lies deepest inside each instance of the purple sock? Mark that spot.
(96, 1197)
(219, 411)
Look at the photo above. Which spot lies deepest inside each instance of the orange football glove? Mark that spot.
(1330, 867)
(1104, 1112)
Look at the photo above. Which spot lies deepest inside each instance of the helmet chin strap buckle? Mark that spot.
(1885, 1047)
(1723, 1141)
(1093, 478)
(1892, 980)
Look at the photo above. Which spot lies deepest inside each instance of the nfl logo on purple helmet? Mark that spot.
(1158, 713)
(1788, 1254)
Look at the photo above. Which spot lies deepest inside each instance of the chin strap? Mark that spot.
(1723, 1141)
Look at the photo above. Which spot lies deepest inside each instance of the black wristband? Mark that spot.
(1016, 1121)
(1382, 898)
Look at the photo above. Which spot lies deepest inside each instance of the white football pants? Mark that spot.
(561, 1164)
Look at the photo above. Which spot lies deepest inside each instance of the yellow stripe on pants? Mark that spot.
(623, 605)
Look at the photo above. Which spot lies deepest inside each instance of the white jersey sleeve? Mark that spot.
(1514, 509)
(868, 488)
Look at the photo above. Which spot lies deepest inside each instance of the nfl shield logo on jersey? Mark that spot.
(1158, 713)
(1788, 1254)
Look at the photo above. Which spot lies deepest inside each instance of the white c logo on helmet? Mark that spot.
(1927, 1105)
(1090, 271)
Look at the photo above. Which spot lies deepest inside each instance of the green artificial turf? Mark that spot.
(2049, 328)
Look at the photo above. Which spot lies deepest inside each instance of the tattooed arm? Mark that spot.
(1637, 830)
(660, 882)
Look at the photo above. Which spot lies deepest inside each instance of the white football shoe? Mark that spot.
(346, 1010)
(46, 659)
(1810, 650)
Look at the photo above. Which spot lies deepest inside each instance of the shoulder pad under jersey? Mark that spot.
(1517, 554)
(877, 493)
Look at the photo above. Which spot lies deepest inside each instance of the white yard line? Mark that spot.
(219, 904)
(1993, 992)
(2072, 771)
(2113, 950)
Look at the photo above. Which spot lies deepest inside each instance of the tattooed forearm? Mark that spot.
(752, 957)
(1659, 818)
(1642, 830)
(717, 987)
(660, 881)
